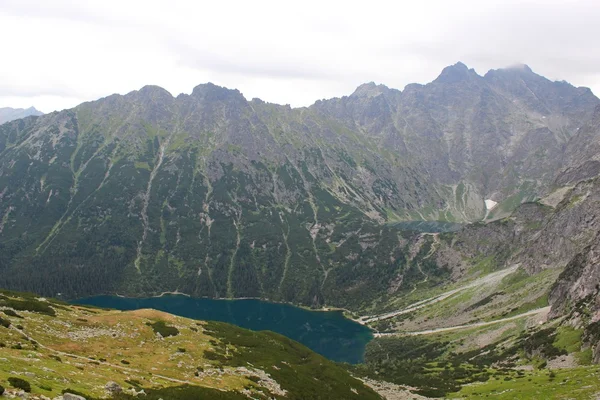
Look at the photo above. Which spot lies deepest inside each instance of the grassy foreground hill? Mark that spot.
(49, 347)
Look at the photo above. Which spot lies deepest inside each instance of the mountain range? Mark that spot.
(463, 212)
(10, 114)
(214, 195)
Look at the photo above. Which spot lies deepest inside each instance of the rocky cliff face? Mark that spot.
(218, 196)
(500, 136)
(558, 232)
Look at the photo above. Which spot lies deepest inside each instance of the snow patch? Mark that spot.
(489, 204)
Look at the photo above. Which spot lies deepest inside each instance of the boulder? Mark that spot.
(71, 396)
(113, 388)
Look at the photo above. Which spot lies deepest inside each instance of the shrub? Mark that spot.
(134, 382)
(19, 384)
(1, 390)
(75, 392)
(27, 304)
(4, 322)
(163, 329)
(11, 313)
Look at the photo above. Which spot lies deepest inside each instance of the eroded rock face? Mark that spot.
(560, 232)
(579, 283)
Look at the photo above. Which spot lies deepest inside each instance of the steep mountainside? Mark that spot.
(10, 114)
(218, 196)
(500, 136)
(525, 298)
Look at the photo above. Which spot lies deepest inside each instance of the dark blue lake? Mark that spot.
(326, 332)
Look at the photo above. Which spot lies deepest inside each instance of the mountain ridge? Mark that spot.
(218, 196)
(10, 114)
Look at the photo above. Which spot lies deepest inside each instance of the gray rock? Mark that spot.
(113, 388)
(71, 396)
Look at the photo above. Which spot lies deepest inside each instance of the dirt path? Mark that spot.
(537, 311)
(492, 278)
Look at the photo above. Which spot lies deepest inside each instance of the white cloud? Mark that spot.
(59, 53)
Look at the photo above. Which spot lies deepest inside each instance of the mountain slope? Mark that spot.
(498, 136)
(217, 196)
(56, 347)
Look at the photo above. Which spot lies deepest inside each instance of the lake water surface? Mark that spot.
(326, 332)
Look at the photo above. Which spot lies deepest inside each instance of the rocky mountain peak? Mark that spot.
(154, 91)
(518, 68)
(456, 73)
(9, 114)
(33, 111)
(211, 92)
(513, 71)
(370, 89)
(153, 94)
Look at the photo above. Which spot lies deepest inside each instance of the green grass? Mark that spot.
(304, 374)
(540, 302)
(585, 357)
(576, 383)
(28, 304)
(142, 165)
(484, 266)
(185, 392)
(568, 338)
(215, 360)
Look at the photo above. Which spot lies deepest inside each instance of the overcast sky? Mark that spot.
(57, 53)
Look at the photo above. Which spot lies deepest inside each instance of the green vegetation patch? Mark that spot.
(420, 362)
(575, 383)
(19, 384)
(28, 304)
(301, 372)
(185, 392)
(568, 339)
(163, 329)
(11, 313)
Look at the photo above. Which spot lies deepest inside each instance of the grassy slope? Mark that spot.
(82, 349)
(518, 358)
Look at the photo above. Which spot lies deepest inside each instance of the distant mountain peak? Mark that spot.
(9, 114)
(370, 89)
(456, 73)
(512, 70)
(210, 91)
(519, 67)
(153, 90)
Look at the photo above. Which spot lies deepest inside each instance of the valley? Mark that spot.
(325, 332)
(452, 226)
(55, 348)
